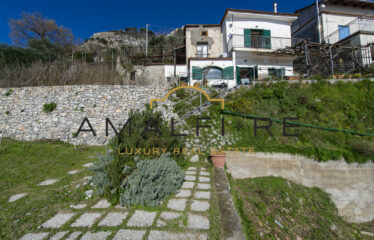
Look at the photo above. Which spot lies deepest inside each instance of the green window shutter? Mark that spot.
(228, 73)
(247, 38)
(197, 73)
(267, 38)
(238, 82)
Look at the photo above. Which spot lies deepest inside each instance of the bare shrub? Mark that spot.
(59, 73)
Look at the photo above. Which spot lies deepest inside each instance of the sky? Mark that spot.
(85, 17)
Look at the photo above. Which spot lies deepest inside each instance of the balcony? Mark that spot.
(258, 43)
(359, 24)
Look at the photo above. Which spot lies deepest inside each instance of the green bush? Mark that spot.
(49, 107)
(110, 169)
(152, 182)
(9, 92)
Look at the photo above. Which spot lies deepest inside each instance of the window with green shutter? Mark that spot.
(267, 38)
(228, 73)
(197, 73)
(247, 38)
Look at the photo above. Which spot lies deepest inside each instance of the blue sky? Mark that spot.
(85, 17)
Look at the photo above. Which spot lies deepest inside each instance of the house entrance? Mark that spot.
(245, 75)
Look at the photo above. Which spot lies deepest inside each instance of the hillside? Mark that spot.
(341, 106)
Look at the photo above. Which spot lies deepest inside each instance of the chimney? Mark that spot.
(275, 5)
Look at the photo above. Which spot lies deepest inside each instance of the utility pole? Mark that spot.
(319, 22)
(146, 42)
(175, 63)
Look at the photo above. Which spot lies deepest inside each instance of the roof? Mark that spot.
(201, 25)
(257, 12)
(354, 3)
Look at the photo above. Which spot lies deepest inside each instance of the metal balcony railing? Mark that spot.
(260, 42)
(359, 24)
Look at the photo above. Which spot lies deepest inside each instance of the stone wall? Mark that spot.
(22, 116)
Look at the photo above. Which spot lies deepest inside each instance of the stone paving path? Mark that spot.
(184, 216)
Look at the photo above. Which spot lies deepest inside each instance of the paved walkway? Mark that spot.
(187, 214)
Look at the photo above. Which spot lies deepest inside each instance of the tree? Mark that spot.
(34, 27)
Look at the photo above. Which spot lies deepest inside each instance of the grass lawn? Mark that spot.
(23, 165)
(274, 208)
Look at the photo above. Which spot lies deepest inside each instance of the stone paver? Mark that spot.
(189, 178)
(162, 235)
(177, 204)
(170, 215)
(58, 220)
(202, 195)
(197, 222)
(183, 193)
(88, 165)
(86, 220)
(188, 185)
(47, 182)
(113, 219)
(204, 179)
(195, 158)
(141, 219)
(204, 174)
(58, 235)
(199, 206)
(72, 172)
(34, 236)
(88, 193)
(16, 197)
(191, 168)
(203, 186)
(102, 204)
(79, 206)
(96, 236)
(129, 235)
(74, 235)
(191, 172)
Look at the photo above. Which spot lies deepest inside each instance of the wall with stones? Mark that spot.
(22, 116)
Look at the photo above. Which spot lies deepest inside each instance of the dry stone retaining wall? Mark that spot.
(22, 116)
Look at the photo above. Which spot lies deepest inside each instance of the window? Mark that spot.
(133, 75)
(277, 73)
(202, 50)
(257, 38)
(372, 52)
(213, 73)
(204, 33)
(343, 32)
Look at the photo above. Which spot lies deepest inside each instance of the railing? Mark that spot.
(359, 24)
(260, 42)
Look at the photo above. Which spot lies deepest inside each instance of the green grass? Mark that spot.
(25, 164)
(274, 208)
(341, 105)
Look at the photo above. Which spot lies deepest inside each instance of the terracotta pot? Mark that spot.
(218, 159)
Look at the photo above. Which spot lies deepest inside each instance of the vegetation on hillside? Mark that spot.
(274, 208)
(341, 106)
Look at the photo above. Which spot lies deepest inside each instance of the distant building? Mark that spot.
(345, 22)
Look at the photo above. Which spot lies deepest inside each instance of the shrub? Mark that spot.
(268, 93)
(7, 112)
(122, 154)
(49, 107)
(152, 182)
(9, 92)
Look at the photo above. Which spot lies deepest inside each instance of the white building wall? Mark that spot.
(181, 70)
